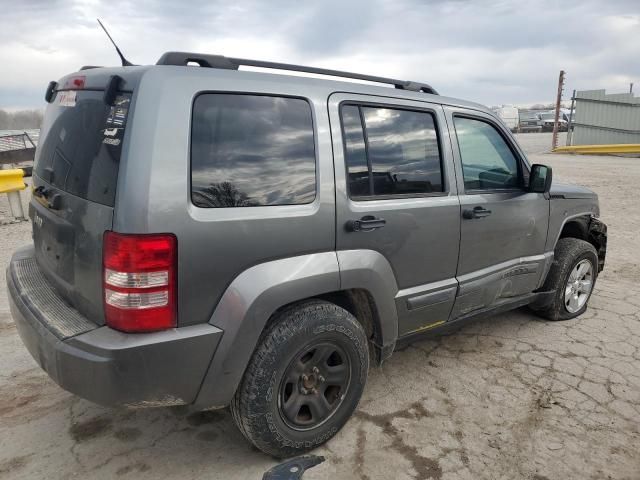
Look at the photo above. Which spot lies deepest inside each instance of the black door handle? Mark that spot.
(367, 223)
(477, 212)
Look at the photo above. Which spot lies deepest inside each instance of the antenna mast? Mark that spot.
(125, 62)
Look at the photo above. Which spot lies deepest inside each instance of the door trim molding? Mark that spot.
(420, 301)
(428, 293)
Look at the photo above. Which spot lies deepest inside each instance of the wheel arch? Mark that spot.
(576, 227)
(360, 303)
(259, 293)
(588, 228)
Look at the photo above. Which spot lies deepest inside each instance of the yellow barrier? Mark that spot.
(11, 180)
(600, 149)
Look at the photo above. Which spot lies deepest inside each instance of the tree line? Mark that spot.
(20, 120)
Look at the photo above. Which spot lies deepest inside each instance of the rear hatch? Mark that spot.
(74, 185)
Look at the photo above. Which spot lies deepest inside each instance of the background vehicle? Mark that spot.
(548, 119)
(568, 114)
(530, 121)
(208, 236)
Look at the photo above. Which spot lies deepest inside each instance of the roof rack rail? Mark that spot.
(229, 63)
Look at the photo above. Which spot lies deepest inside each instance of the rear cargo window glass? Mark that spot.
(81, 143)
(390, 152)
(250, 150)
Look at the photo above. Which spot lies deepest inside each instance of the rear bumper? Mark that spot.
(103, 365)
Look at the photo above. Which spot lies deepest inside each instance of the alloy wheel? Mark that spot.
(578, 286)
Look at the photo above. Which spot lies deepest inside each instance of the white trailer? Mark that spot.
(509, 116)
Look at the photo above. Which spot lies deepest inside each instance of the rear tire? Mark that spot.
(575, 264)
(304, 379)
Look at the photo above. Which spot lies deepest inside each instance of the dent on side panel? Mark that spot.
(501, 283)
(246, 306)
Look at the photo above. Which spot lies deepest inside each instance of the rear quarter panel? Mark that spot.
(214, 244)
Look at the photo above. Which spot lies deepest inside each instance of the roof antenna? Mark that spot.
(125, 62)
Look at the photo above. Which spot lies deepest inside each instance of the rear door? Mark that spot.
(504, 227)
(74, 186)
(396, 195)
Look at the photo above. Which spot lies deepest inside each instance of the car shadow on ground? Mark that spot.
(506, 383)
(121, 441)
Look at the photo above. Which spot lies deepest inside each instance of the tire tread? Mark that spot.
(566, 254)
(283, 326)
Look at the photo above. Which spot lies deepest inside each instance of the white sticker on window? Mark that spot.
(68, 98)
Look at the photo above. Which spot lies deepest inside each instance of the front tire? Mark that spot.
(304, 379)
(572, 278)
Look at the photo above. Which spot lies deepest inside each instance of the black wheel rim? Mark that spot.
(314, 385)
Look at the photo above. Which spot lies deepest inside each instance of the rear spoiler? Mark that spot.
(111, 89)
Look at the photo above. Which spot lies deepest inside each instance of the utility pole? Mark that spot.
(631, 87)
(554, 140)
(571, 119)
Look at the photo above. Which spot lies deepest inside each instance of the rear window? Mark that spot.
(252, 150)
(81, 144)
(390, 152)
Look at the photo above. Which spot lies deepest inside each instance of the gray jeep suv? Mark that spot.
(207, 236)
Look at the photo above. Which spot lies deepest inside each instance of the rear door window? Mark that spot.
(390, 152)
(252, 150)
(81, 144)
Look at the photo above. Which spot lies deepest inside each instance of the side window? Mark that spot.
(251, 150)
(390, 152)
(487, 161)
(355, 152)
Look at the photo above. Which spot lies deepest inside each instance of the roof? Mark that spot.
(336, 81)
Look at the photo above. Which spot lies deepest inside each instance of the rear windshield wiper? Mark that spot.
(52, 198)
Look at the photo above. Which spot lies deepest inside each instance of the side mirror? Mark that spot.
(540, 178)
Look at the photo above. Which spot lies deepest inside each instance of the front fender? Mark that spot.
(563, 212)
(598, 238)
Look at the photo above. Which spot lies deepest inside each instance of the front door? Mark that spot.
(504, 227)
(396, 196)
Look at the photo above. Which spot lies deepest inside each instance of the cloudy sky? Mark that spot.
(493, 52)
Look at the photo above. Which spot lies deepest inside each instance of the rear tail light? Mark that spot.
(140, 291)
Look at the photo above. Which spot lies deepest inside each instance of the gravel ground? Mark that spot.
(510, 397)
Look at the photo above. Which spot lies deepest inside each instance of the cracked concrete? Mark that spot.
(509, 397)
